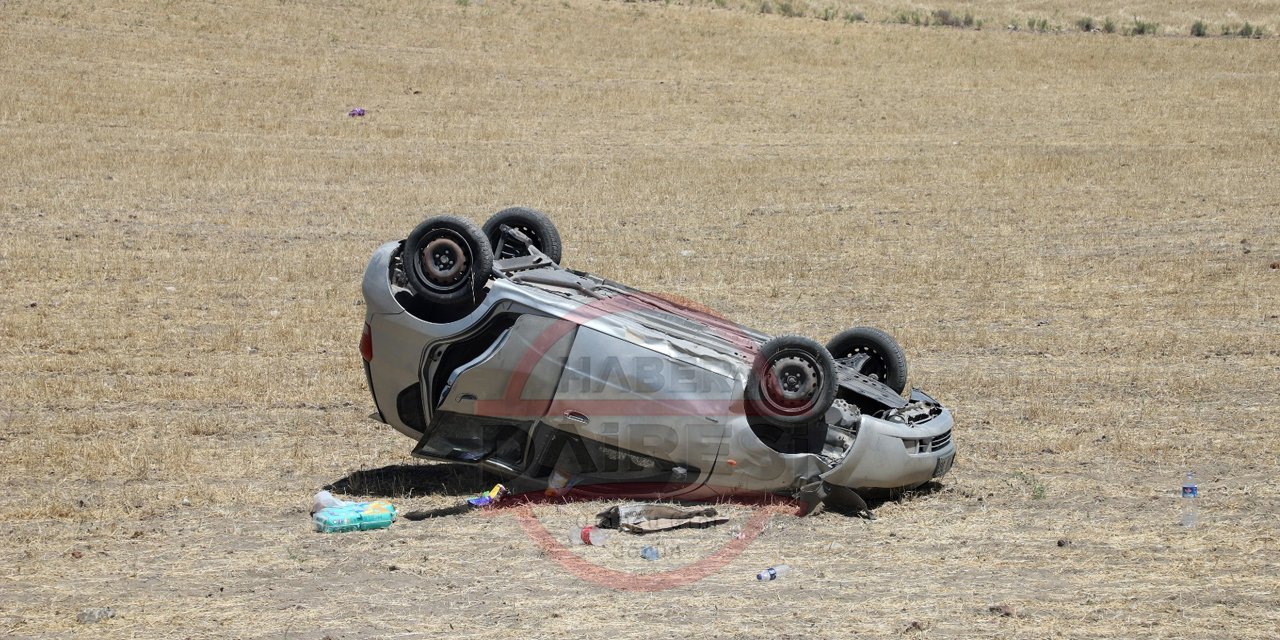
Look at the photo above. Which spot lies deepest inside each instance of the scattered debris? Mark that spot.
(331, 515)
(593, 536)
(91, 616)
(324, 500)
(915, 625)
(1002, 610)
(642, 517)
(489, 497)
(356, 113)
(1063, 542)
(77, 554)
(559, 483)
(649, 552)
(773, 573)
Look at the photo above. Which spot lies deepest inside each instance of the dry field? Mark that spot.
(1074, 235)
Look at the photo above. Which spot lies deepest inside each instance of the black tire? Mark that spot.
(887, 362)
(792, 382)
(459, 264)
(532, 223)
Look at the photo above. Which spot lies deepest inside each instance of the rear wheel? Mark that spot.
(885, 361)
(792, 382)
(447, 261)
(532, 223)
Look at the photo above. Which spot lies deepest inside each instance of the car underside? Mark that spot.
(485, 350)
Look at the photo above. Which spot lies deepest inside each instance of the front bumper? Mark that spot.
(892, 455)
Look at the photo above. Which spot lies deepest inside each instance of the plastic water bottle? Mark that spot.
(588, 535)
(773, 573)
(1190, 494)
(649, 552)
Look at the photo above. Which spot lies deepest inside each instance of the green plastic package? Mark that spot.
(356, 516)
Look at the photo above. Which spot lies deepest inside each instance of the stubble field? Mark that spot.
(1074, 236)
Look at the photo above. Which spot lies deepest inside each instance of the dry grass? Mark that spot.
(1071, 235)
(1161, 18)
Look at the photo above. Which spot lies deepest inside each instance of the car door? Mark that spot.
(639, 415)
(490, 388)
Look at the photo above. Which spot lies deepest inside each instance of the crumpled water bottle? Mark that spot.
(593, 536)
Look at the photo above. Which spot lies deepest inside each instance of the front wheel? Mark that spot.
(792, 382)
(885, 360)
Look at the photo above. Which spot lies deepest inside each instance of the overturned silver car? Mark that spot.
(483, 349)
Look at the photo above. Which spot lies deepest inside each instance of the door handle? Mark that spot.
(577, 417)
